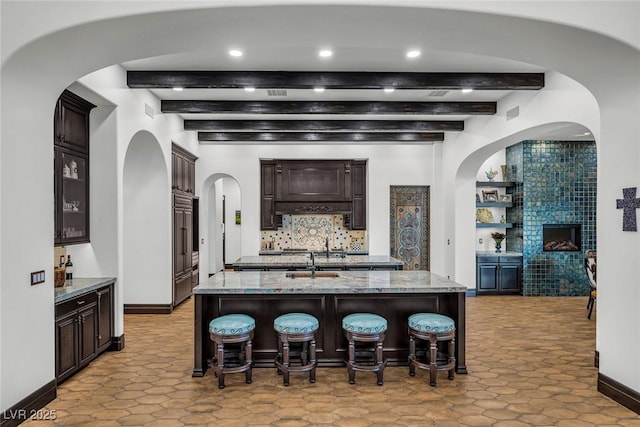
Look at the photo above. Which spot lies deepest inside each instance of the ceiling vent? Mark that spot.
(438, 93)
(276, 92)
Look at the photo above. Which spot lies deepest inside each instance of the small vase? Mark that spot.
(503, 168)
(498, 245)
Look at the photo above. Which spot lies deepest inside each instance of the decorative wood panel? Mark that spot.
(410, 226)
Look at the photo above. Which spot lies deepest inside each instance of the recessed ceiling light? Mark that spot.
(467, 90)
(318, 89)
(235, 52)
(389, 89)
(250, 89)
(178, 88)
(587, 133)
(325, 53)
(413, 53)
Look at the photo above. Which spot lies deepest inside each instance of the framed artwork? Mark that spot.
(489, 195)
(506, 198)
(237, 217)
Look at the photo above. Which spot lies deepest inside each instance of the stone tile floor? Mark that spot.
(530, 363)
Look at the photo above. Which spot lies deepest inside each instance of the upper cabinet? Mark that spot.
(313, 187)
(71, 169)
(184, 171)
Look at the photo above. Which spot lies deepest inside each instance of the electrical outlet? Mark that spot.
(480, 240)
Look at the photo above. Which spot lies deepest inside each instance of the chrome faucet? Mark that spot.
(327, 246)
(312, 267)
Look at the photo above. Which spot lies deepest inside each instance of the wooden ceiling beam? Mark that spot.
(333, 80)
(327, 107)
(319, 136)
(324, 125)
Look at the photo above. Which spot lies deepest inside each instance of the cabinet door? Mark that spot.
(66, 345)
(179, 262)
(87, 319)
(188, 238)
(182, 288)
(267, 194)
(510, 277)
(174, 171)
(71, 124)
(487, 277)
(105, 319)
(191, 178)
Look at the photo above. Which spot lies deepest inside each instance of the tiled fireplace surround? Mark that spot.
(557, 181)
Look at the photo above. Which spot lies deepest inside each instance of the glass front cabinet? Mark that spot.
(71, 169)
(72, 197)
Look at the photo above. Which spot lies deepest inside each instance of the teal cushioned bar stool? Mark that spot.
(432, 327)
(367, 328)
(299, 328)
(232, 329)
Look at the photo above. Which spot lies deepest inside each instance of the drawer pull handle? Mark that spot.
(80, 302)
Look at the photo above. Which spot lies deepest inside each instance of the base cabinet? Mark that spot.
(498, 274)
(83, 329)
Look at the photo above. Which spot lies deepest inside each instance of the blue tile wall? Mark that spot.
(558, 182)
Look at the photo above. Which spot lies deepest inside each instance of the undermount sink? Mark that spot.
(307, 274)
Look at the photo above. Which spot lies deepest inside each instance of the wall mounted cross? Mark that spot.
(629, 204)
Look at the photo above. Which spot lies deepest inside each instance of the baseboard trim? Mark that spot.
(596, 359)
(148, 308)
(30, 406)
(471, 293)
(117, 343)
(619, 392)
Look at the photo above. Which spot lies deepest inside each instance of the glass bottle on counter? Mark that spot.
(69, 268)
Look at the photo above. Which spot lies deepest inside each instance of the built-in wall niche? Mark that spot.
(561, 237)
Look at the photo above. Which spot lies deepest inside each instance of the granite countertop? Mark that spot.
(73, 288)
(302, 261)
(356, 282)
(494, 253)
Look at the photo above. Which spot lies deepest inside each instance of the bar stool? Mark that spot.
(433, 328)
(368, 328)
(296, 328)
(232, 329)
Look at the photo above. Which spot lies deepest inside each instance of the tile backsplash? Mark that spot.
(311, 231)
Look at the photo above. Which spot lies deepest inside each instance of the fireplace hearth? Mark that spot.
(561, 237)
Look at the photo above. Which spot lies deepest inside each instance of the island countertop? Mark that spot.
(272, 282)
(266, 262)
(264, 295)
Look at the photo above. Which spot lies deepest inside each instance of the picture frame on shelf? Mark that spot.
(506, 198)
(489, 195)
(478, 198)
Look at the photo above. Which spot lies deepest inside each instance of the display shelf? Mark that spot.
(496, 184)
(494, 204)
(494, 225)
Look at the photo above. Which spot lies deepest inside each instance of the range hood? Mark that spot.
(312, 208)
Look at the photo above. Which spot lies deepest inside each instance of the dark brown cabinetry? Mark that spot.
(185, 224)
(313, 187)
(498, 274)
(71, 169)
(83, 329)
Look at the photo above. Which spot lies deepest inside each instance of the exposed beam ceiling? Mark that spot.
(384, 126)
(333, 80)
(320, 136)
(326, 107)
(378, 121)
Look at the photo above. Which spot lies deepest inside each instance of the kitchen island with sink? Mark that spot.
(264, 295)
(319, 261)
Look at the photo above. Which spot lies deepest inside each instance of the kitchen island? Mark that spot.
(329, 297)
(320, 262)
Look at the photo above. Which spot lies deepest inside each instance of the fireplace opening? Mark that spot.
(561, 237)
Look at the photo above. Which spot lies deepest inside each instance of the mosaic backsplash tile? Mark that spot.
(311, 231)
(559, 186)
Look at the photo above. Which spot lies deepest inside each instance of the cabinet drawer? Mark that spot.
(487, 258)
(510, 259)
(76, 303)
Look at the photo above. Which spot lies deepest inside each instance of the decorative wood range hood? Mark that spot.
(298, 187)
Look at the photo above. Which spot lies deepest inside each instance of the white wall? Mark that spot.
(34, 73)
(146, 279)
(233, 236)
